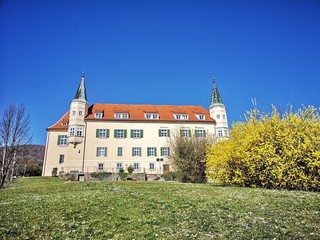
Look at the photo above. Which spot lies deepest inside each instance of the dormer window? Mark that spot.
(98, 115)
(64, 124)
(181, 116)
(121, 115)
(151, 116)
(201, 116)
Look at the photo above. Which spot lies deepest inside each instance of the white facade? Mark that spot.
(107, 137)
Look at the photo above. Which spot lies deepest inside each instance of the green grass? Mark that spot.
(48, 208)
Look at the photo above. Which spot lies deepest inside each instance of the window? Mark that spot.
(73, 113)
(165, 151)
(98, 115)
(119, 151)
(79, 131)
(71, 131)
(101, 151)
(224, 116)
(218, 116)
(201, 116)
(152, 166)
(181, 116)
(62, 140)
(61, 158)
(164, 133)
(136, 133)
(136, 166)
(226, 132)
(80, 113)
(152, 151)
(119, 166)
(64, 124)
(151, 116)
(219, 133)
(121, 115)
(100, 166)
(102, 133)
(136, 151)
(200, 133)
(185, 132)
(120, 133)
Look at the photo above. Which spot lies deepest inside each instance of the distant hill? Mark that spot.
(35, 154)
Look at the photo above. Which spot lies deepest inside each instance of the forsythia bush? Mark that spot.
(280, 151)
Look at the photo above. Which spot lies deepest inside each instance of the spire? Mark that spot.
(215, 96)
(81, 95)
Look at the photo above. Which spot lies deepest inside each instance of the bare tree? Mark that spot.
(188, 155)
(14, 138)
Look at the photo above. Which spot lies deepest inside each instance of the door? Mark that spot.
(166, 168)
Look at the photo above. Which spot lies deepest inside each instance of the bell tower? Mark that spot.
(218, 112)
(78, 111)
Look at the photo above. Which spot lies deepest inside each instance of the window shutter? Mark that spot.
(141, 133)
(148, 151)
(168, 132)
(155, 151)
(97, 152)
(139, 151)
(204, 133)
(132, 151)
(125, 133)
(97, 133)
(108, 133)
(131, 133)
(115, 133)
(195, 133)
(105, 151)
(189, 133)
(59, 139)
(159, 132)
(181, 133)
(161, 150)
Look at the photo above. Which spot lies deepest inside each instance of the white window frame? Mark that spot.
(165, 151)
(218, 116)
(119, 151)
(185, 132)
(71, 131)
(151, 116)
(63, 140)
(182, 116)
(80, 113)
(220, 133)
(61, 158)
(79, 131)
(226, 132)
(121, 115)
(136, 133)
(100, 166)
(201, 117)
(101, 151)
(120, 133)
(136, 166)
(200, 132)
(119, 166)
(136, 151)
(151, 151)
(98, 115)
(164, 132)
(102, 133)
(152, 166)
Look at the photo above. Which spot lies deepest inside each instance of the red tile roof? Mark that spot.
(62, 124)
(137, 113)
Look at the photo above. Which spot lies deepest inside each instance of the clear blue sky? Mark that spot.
(158, 52)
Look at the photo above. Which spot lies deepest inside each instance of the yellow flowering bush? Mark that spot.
(280, 151)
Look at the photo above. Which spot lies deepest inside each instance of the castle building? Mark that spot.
(108, 137)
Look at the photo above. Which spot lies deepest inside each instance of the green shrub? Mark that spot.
(130, 169)
(100, 175)
(54, 172)
(170, 176)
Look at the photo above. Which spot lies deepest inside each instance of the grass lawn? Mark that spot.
(48, 208)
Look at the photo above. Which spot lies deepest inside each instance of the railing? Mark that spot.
(91, 169)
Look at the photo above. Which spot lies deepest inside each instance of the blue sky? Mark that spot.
(158, 52)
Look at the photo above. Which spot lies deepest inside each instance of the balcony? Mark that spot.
(75, 139)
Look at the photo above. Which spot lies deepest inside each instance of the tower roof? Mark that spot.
(81, 94)
(215, 95)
